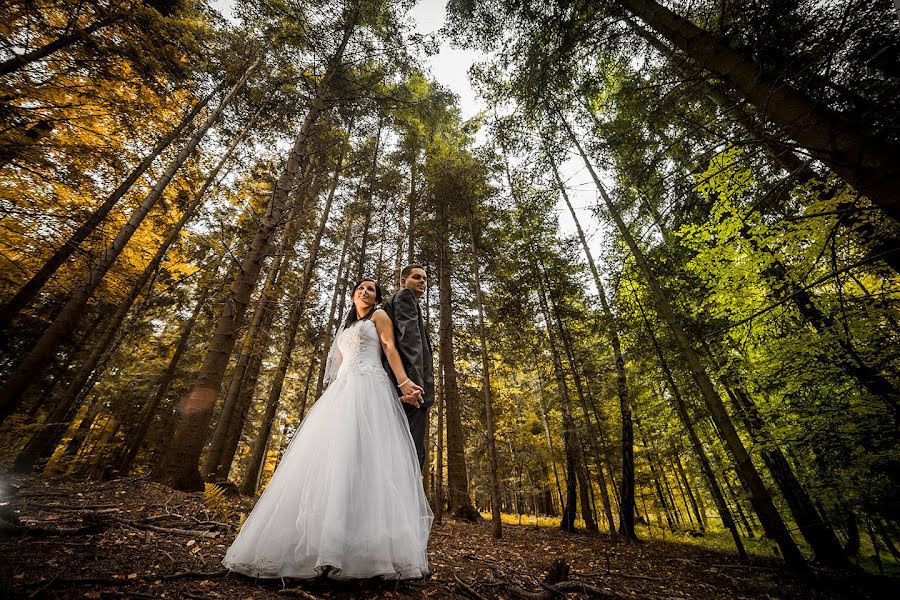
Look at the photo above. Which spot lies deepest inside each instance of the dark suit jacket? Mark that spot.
(412, 341)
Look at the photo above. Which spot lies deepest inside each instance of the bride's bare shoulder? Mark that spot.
(380, 315)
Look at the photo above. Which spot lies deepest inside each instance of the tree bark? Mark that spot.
(567, 523)
(369, 194)
(298, 302)
(460, 504)
(67, 319)
(865, 162)
(136, 438)
(179, 467)
(27, 293)
(439, 474)
(42, 445)
(760, 497)
(696, 444)
(626, 504)
(815, 531)
(332, 323)
(82, 33)
(413, 198)
(242, 386)
(496, 524)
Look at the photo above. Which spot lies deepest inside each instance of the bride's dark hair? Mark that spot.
(351, 314)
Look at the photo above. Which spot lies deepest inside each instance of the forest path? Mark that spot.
(131, 538)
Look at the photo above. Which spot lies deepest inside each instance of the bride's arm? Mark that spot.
(386, 334)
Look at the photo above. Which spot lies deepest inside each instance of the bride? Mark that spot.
(347, 498)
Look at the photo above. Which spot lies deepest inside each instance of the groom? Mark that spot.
(414, 348)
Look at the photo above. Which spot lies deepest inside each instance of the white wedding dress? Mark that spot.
(348, 491)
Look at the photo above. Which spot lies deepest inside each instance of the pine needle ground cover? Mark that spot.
(132, 538)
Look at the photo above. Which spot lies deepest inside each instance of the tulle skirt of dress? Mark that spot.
(347, 493)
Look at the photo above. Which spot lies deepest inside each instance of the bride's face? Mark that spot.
(364, 295)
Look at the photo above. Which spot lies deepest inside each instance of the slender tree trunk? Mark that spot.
(81, 34)
(626, 503)
(27, 293)
(67, 319)
(760, 497)
(457, 479)
(584, 480)
(546, 427)
(256, 459)
(439, 475)
(686, 487)
(242, 386)
(332, 323)
(496, 524)
(68, 401)
(605, 448)
(298, 302)
(815, 531)
(136, 439)
(696, 444)
(43, 444)
(179, 467)
(413, 199)
(866, 163)
(567, 522)
(368, 195)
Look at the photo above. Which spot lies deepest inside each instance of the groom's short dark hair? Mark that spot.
(408, 269)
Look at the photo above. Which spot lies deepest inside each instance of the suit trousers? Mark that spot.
(418, 427)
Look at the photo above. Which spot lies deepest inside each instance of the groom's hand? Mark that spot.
(414, 399)
(412, 393)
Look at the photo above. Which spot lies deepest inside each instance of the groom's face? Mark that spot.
(416, 281)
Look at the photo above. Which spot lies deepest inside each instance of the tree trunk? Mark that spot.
(298, 302)
(696, 444)
(257, 458)
(760, 498)
(439, 474)
(332, 323)
(20, 61)
(496, 524)
(686, 486)
(411, 228)
(43, 444)
(457, 480)
(815, 531)
(67, 319)
(179, 467)
(242, 386)
(369, 194)
(27, 293)
(567, 523)
(546, 428)
(878, 247)
(136, 438)
(865, 162)
(626, 503)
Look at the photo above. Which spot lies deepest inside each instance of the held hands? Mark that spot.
(412, 393)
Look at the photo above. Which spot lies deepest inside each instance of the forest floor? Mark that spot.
(131, 538)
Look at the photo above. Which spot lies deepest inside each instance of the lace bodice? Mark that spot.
(360, 349)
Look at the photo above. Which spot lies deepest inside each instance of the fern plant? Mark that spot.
(216, 503)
